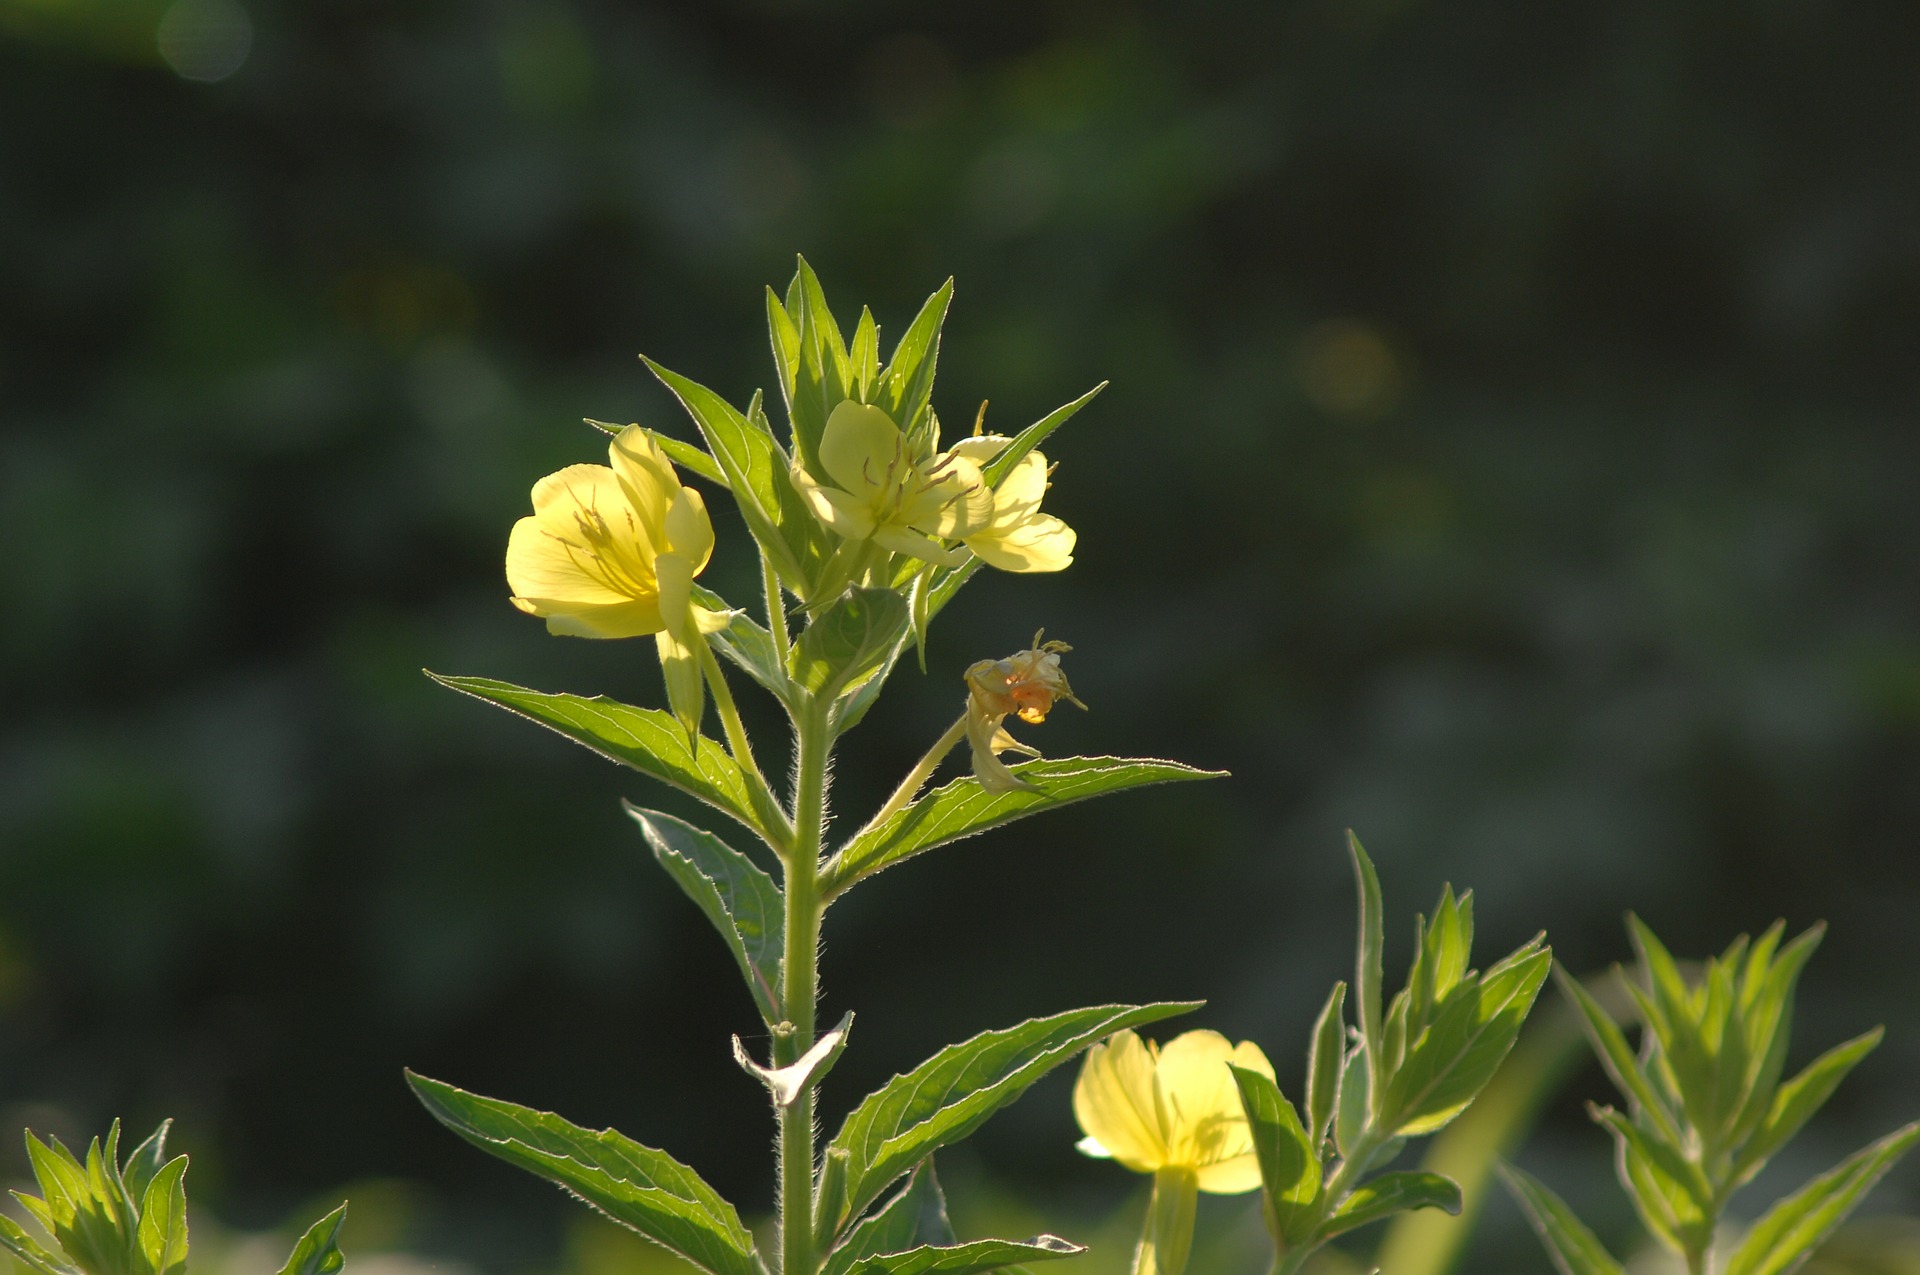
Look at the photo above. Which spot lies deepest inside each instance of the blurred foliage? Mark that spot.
(1521, 395)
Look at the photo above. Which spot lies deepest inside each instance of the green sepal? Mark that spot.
(1324, 1057)
(1574, 1248)
(1032, 436)
(741, 901)
(1794, 1227)
(646, 739)
(637, 1186)
(913, 1218)
(950, 1095)
(968, 1258)
(1392, 1193)
(1289, 1158)
(964, 807)
(755, 468)
(318, 1252)
(853, 639)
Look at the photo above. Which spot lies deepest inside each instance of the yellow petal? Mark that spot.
(1231, 1177)
(644, 472)
(544, 565)
(914, 545)
(955, 502)
(689, 531)
(1113, 1101)
(1208, 1126)
(980, 448)
(572, 619)
(587, 506)
(1018, 495)
(1042, 543)
(862, 450)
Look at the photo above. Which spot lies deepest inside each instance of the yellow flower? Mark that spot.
(880, 491)
(1175, 1108)
(1025, 684)
(611, 552)
(1018, 537)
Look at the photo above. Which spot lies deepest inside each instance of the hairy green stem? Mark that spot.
(1346, 1176)
(765, 804)
(776, 609)
(800, 987)
(918, 775)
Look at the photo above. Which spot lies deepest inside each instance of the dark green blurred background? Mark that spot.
(1510, 454)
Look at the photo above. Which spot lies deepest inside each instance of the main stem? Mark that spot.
(800, 988)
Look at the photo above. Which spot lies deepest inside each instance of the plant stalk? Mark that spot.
(916, 777)
(800, 987)
(776, 610)
(765, 804)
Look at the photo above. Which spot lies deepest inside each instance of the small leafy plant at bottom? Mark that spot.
(1707, 1109)
(108, 1216)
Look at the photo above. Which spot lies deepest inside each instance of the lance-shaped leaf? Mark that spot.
(756, 474)
(1796, 1101)
(908, 384)
(849, 641)
(163, 1219)
(1670, 1193)
(1575, 1250)
(685, 455)
(787, 1083)
(863, 357)
(649, 740)
(1289, 1159)
(318, 1252)
(916, 1217)
(944, 583)
(1324, 1057)
(1794, 1227)
(145, 1160)
(1368, 960)
(1616, 1056)
(742, 901)
(821, 368)
(963, 808)
(1032, 436)
(637, 1186)
(966, 1259)
(951, 1094)
(1392, 1193)
(29, 1252)
(1471, 1034)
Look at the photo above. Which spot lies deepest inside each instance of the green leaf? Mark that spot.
(1669, 1191)
(1032, 436)
(784, 337)
(821, 370)
(864, 357)
(915, 1217)
(907, 386)
(318, 1252)
(144, 1161)
(1367, 965)
(1353, 1105)
(1392, 1193)
(743, 902)
(1616, 1056)
(29, 1252)
(649, 740)
(849, 641)
(965, 1259)
(163, 1219)
(1796, 1101)
(1323, 1063)
(1289, 1159)
(750, 647)
(1574, 1249)
(951, 1094)
(963, 808)
(1471, 1034)
(637, 1186)
(756, 474)
(1795, 1226)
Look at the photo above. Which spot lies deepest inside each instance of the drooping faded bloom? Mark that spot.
(1026, 684)
(611, 551)
(879, 490)
(1174, 1113)
(1017, 537)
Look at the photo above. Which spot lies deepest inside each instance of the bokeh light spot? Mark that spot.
(1348, 369)
(205, 40)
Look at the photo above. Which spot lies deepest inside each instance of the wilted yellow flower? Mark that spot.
(880, 491)
(1177, 1107)
(611, 552)
(1018, 537)
(1025, 684)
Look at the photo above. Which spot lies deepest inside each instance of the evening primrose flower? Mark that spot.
(1174, 1113)
(1017, 537)
(611, 551)
(879, 490)
(1025, 684)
